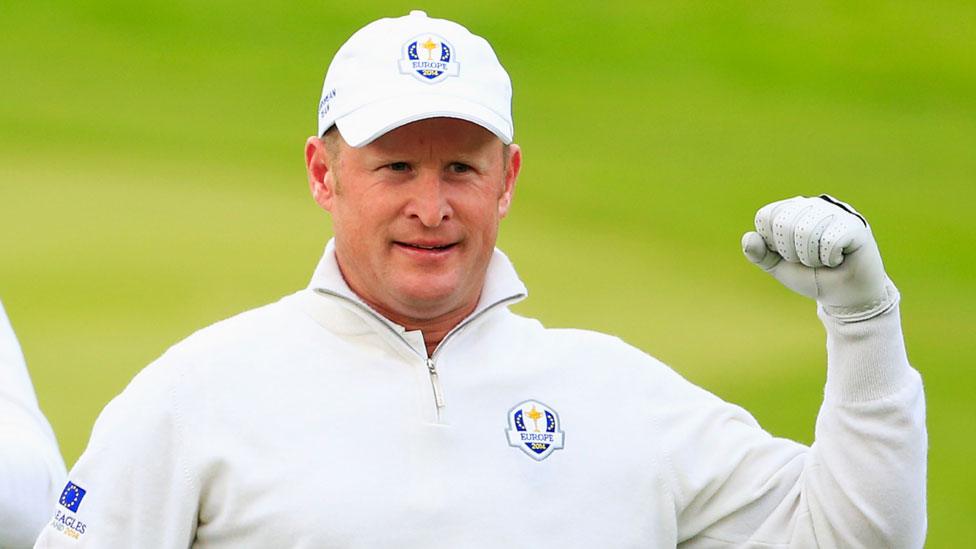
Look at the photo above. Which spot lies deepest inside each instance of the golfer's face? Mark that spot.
(416, 214)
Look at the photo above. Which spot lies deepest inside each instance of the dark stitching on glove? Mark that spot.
(844, 207)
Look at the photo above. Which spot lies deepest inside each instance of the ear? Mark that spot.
(511, 174)
(321, 178)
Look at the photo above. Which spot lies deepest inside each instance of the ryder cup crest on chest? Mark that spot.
(535, 429)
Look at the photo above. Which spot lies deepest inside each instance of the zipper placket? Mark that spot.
(431, 364)
(429, 361)
(436, 384)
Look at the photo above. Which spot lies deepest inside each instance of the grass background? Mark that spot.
(152, 182)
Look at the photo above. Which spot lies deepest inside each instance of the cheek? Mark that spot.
(484, 204)
(485, 222)
(361, 214)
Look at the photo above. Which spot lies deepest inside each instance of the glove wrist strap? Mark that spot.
(859, 313)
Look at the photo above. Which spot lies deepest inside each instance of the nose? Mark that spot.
(428, 200)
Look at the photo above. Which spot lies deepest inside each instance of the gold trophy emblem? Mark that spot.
(430, 46)
(534, 415)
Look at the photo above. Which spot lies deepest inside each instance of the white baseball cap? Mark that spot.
(396, 71)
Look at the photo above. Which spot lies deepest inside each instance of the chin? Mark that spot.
(430, 300)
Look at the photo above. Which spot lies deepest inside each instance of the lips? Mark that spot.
(425, 246)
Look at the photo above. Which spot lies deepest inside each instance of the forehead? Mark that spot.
(435, 134)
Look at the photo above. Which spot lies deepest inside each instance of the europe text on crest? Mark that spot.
(429, 58)
(534, 428)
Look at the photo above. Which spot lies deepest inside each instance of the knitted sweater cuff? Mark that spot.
(865, 360)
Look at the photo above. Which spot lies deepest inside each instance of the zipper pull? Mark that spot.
(435, 382)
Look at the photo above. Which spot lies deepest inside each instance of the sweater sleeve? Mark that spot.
(31, 468)
(131, 487)
(861, 483)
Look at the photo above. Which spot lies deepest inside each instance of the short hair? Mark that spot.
(331, 141)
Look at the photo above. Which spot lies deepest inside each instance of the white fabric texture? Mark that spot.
(31, 468)
(312, 423)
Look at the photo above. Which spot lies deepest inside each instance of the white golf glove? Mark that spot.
(823, 249)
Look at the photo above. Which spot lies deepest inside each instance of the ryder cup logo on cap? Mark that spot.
(399, 70)
(436, 65)
(534, 429)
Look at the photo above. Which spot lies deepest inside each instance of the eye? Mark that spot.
(458, 167)
(399, 166)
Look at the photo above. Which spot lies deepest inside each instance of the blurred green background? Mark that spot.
(152, 182)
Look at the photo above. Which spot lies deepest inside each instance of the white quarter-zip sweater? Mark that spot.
(314, 422)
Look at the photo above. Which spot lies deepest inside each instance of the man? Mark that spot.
(397, 402)
(31, 468)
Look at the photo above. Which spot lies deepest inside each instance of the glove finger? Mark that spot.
(783, 225)
(755, 249)
(843, 235)
(808, 229)
(764, 221)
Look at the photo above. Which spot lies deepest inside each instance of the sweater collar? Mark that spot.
(502, 283)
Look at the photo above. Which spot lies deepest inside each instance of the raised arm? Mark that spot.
(863, 483)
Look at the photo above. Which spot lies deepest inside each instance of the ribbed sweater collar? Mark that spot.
(501, 281)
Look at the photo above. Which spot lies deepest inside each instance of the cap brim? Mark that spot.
(369, 122)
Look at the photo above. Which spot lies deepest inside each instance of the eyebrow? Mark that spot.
(392, 156)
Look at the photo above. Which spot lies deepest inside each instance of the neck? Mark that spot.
(434, 329)
(433, 325)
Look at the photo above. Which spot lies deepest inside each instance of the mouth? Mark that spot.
(427, 248)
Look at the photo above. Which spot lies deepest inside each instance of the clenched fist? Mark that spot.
(823, 249)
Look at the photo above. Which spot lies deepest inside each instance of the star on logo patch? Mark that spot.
(71, 496)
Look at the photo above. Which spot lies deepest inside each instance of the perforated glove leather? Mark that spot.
(823, 249)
